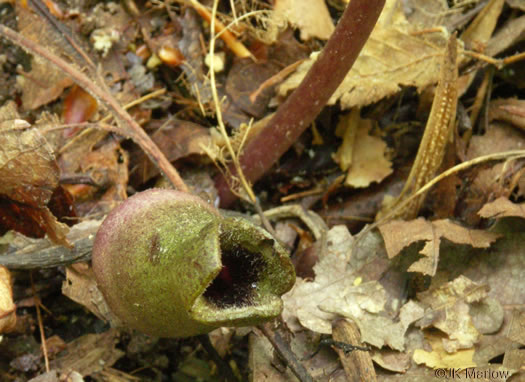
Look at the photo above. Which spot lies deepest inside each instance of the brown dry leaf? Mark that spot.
(7, 306)
(394, 56)
(363, 155)
(515, 359)
(44, 83)
(28, 168)
(392, 360)
(81, 287)
(495, 181)
(376, 329)
(323, 367)
(29, 175)
(399, 234)
(440, 358)
(176, 140)
(502, 207)
(310, 16)
(97, 352)
(450, 306)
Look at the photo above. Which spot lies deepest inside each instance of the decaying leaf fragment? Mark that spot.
(480, 30)
(450, 311)
(438, 132)
(502, 207)
(400, 234)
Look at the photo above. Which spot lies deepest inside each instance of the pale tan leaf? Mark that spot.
(450, 306)
(338, 291)
(369, 163)
(502, 207)
(80, 286)
(7, 306)
(310, 16)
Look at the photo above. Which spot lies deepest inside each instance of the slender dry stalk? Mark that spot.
(129, 128)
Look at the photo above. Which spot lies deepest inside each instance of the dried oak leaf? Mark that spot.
(509, 110)
(394, 56)
(7, 306)
(399, 234)
(310, 16)
(29, 176)
(81, 287)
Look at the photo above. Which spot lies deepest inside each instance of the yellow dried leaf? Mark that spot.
(439, 358)
(502, 207)
(369, 163)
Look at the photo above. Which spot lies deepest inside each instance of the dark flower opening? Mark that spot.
(236, 283)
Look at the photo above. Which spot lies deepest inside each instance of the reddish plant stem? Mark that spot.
(307, 101)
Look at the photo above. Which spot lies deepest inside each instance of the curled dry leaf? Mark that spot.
(29, 175)
(7, 306)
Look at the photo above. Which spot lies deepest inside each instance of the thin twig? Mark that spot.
(130, 129)
(40, 323)
(223, 366)
(283, 349)
(235, 159)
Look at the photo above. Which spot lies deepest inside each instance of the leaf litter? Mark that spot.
(424, 293)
